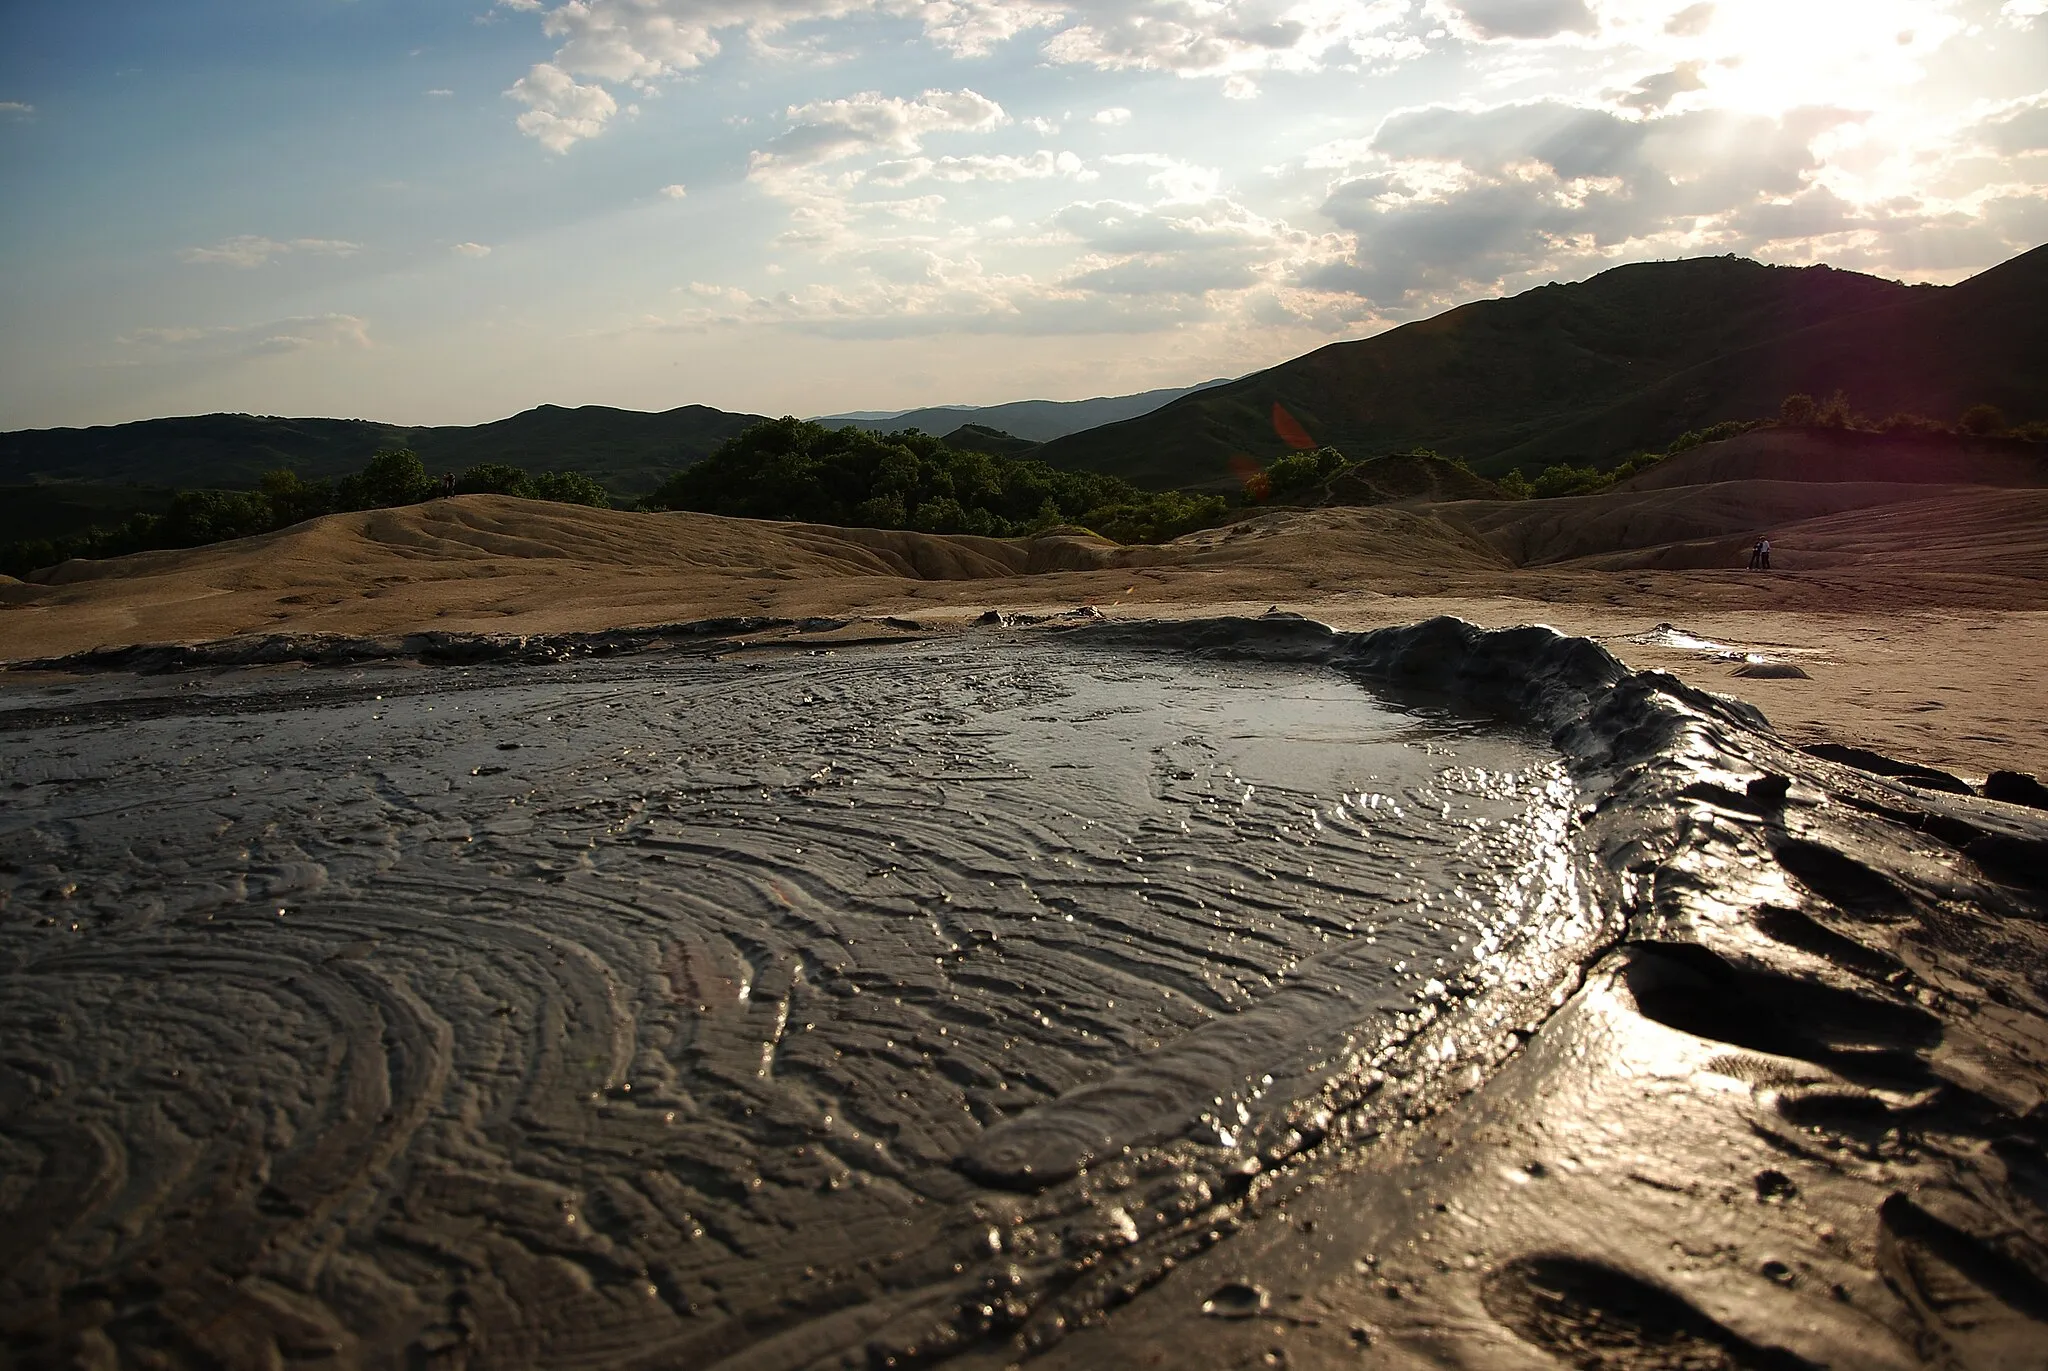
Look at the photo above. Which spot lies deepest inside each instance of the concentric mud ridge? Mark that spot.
(788, 1007)
(1210, 993)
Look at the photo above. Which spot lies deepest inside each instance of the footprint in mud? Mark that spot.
(1596, 1318)
(1862, 1037)
(1989, 1308)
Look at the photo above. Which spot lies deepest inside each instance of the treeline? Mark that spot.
(1978, 421)
(792, 469)
(196, 517)
(1796, 411)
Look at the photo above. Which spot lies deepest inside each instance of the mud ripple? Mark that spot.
(651, 1014)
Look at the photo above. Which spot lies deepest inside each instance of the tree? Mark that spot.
(492, 478)
(1797, 411)
(393, 476)
(294, 501)
(569, 488)
(1982, 421)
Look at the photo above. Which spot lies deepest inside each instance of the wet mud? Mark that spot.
(874, 1000)
(1217, 993)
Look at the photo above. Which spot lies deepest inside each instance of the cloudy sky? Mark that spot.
(450, 210)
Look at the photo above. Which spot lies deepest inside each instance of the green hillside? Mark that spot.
(1621, 363)
(627, 451)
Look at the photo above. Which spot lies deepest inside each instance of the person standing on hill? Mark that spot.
(1756, 553)
(1763, 554)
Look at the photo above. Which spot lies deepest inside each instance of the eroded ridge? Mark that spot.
(873, 1001)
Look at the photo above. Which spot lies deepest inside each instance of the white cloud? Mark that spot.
(1492, 19)
(16, 109)
(603, 43)
(560, 112)
(675, 191)
(1692, 21)
(229, 342)
(828, 130)
(250, 250)
(1445, 203)
(997, 167)
(472, 249)
(1112, 116)
(2016, 128)
(1173, 178)
(440, 91)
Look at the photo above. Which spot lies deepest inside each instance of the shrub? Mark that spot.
(493, 478)
(1300, 470)
(1516, 486)
(1565, 479)
(568, 488)
(1835, 412)
(1797, 411)
(1982, 421)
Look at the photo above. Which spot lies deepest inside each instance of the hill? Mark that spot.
(1831, 455)
(1597, 370)
(1037, 421)
(981, 438)
(627, 451)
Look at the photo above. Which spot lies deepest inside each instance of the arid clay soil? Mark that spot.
(1916, 605)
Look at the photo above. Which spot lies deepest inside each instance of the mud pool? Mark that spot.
(772, 1007)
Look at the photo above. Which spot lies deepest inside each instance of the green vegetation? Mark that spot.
(790, 469)
(394, 476)
(1300, 470)
(1566, 479)
(1978, 421)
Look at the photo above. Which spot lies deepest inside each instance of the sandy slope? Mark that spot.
(1917, 608)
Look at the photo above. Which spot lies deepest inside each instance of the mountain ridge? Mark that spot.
(629, 451)
(1037, 421)
(1599, 369)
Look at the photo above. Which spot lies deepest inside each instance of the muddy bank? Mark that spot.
(1219, 992)
(1794, 1118)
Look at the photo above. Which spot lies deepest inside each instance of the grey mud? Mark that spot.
(1069, 994)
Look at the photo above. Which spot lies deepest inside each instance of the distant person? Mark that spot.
(448, 485)
(1763, 554)
(1756, 554)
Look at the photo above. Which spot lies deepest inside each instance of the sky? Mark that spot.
(447, 211)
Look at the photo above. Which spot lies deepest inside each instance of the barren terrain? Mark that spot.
(1916, 607)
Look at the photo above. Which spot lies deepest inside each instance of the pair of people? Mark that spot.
(1760, 555)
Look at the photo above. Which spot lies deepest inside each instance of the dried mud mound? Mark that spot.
(1407, 476)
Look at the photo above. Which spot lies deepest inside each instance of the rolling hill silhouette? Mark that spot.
(1037, 421)
(1611, 366)
(626, 450)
